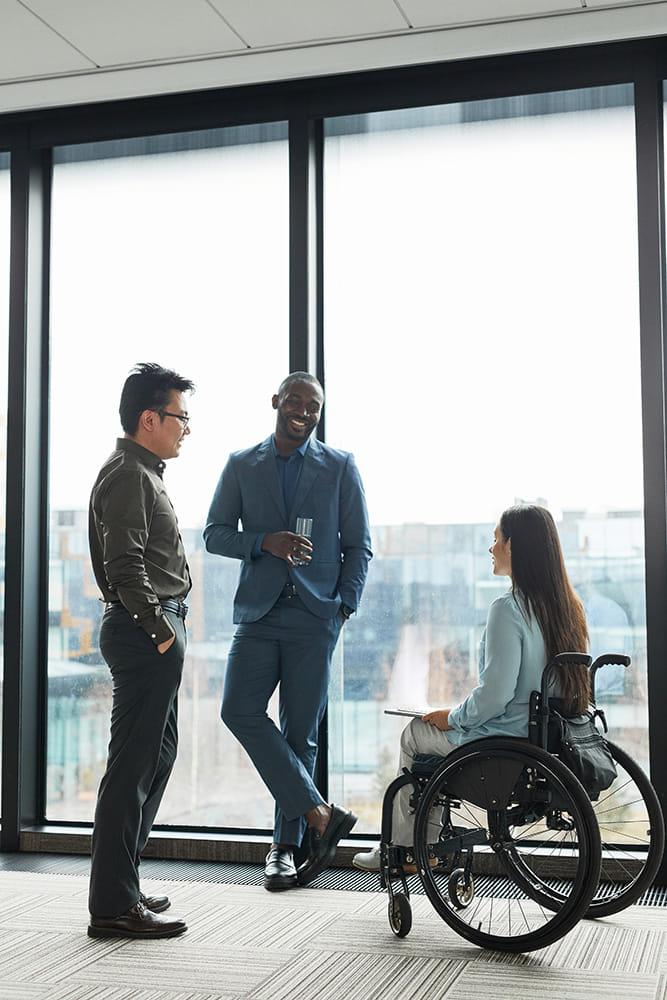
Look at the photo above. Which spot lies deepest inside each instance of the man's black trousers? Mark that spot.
(142, 751)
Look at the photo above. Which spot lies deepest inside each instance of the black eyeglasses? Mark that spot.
(179, 416)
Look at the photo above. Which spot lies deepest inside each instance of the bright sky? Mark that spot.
(480, 307)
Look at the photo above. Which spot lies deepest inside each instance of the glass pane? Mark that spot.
(482, 315)
(172, 250)
(4, 318)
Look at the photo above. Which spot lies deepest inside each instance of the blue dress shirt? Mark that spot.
(289, 472)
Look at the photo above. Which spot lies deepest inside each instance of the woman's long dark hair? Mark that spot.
(540, 579)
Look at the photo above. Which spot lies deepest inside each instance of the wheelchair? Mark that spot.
(522, 854)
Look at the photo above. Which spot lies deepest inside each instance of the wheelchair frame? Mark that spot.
(499, 796)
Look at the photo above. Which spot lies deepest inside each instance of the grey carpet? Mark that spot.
(245, 944)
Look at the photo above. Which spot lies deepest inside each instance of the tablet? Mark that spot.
(412, 713)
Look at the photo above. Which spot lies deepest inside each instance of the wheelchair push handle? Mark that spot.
(561, 660)
(607, 659)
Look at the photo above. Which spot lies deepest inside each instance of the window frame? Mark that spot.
(30, 139)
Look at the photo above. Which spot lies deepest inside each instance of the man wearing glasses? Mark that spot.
(140, 567)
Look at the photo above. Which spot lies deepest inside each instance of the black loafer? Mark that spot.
(158, 904)
(279, 871)
(323, 846)
(137, 922)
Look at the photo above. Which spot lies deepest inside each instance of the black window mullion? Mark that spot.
(305, 281)
(24, 697)
(299, 205)
(651, 214)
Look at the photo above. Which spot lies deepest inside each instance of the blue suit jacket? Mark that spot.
(330, 491)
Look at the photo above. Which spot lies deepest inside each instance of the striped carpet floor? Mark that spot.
(306, 944)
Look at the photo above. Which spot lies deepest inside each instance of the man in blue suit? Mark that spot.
(293, 596)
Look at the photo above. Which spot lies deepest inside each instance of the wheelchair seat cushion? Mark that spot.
(425, 764)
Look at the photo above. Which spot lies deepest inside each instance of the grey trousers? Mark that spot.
(142, 751)
(417, 737)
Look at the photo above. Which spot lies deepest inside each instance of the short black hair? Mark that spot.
(148, 387)
(296, 377)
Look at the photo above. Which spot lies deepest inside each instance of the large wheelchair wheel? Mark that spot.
(632, 832)
(520, 834)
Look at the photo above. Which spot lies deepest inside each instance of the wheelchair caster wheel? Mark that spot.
(400, 915)
(460, 892)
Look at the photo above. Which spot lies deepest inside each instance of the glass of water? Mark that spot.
(304, 526)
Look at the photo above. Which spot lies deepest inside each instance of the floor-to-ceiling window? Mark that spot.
(482, 347)
(174, 250)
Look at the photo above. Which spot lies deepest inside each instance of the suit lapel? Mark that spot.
(267, 463)
(313, 463)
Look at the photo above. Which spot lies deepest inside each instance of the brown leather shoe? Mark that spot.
(137, 922)
(158, 904)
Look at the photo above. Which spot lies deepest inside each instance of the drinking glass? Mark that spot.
(304, 526)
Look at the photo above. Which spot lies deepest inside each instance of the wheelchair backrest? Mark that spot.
(541, 703)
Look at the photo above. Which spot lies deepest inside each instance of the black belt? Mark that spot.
(289, 590)
(171, 604)
(167, 603)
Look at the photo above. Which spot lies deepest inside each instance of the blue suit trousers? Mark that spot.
(292, 648)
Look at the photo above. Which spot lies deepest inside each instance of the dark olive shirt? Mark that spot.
(135, 545)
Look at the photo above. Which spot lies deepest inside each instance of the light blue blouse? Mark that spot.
(512, 656)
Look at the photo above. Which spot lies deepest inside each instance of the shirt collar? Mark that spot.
(301, 450)
(149, 458)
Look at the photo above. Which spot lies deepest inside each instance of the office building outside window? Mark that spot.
(174, 250)
(482, 348)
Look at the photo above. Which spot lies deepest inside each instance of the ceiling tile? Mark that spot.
(279, 22)
(432, 13)
(114, 32)
(28, 48)
(624, 3)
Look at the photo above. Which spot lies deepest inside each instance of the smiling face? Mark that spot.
(501, 554)
(298, 413)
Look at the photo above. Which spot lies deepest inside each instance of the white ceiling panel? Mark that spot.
(154, 46)
(432, 13)
(118, 32)
(281, 22)
(620, 3)
(28, 48)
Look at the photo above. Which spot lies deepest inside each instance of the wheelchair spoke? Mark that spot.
(532, 869)
(633, 836)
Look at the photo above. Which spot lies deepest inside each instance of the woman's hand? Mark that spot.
(439, 718)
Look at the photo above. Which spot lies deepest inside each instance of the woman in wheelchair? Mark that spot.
(538, 617)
